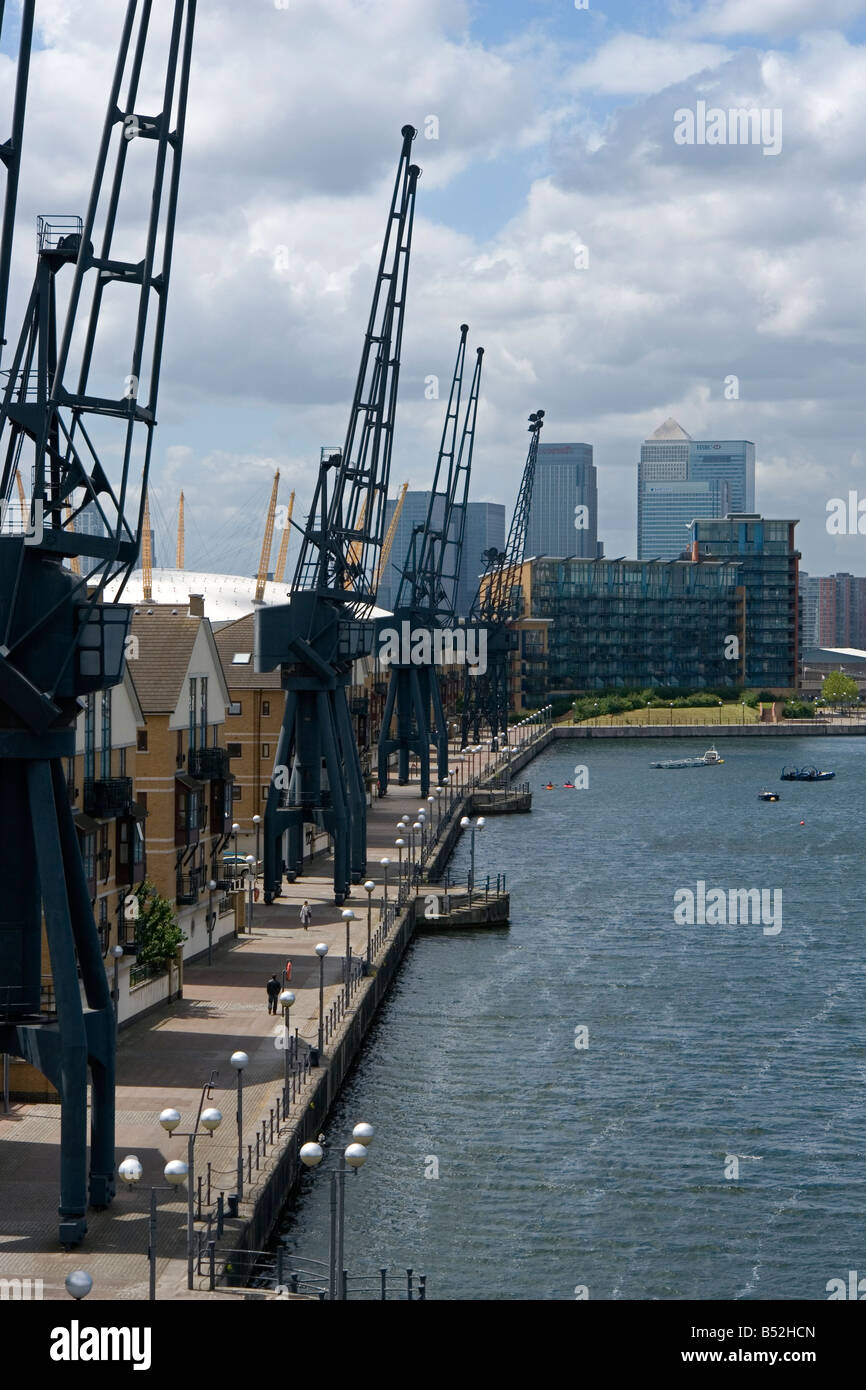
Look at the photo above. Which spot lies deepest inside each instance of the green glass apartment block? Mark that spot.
(768, 567)
(631, 624)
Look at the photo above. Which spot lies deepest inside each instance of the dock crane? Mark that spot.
(10, 151)
(267, 541)
(316, 638)
(427, 595)
(85, 422)
(486, 697)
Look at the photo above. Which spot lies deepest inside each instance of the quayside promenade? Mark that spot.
(165, 1058)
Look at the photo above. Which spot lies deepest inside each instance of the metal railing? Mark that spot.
(285, 1273)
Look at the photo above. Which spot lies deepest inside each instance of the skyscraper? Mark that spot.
(484, 527)
(563, 518)
(680, 478)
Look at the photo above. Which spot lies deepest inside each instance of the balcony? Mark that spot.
(107, 796)
(188, 889)
(208, 764)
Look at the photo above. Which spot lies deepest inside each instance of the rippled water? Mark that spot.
(605, 1166)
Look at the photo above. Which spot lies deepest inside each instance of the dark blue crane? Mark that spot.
(77, 424)
(426, 600)
(327, 626)
(487, 696)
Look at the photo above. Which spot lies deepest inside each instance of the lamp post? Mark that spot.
(368, 889)
(672, 713)
(235, 829)
(287, 999)
(211, 920)
(239, 1060)
(257, 822)
(321, 952)
(720, 711)
(210, 1120)
(416, 830)
(399, 845)
(354, 1156)
(130, 1172)
(251, 868)
(466, 824)
(348, 917)
(117, 953)
(385, 865)
(744, 711)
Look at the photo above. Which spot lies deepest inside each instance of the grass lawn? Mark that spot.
(729, 714)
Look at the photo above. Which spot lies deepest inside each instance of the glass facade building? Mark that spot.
(485, 527)
(768, 563)
(676, 472)
(627, 624)
(563, 517)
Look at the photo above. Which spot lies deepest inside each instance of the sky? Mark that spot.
(614, 275)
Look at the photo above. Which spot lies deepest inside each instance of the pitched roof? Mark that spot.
(670, 429)
(237, 639)
(165, 641)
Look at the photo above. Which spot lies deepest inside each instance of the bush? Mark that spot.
(798, 709)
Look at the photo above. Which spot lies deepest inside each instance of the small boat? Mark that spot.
(768, 796)
(550, 787)
(569, 786)
(710, 759)
(805, 774)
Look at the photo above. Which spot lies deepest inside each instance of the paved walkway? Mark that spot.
(164, 1059)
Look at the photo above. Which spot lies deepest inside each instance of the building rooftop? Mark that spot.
(235, 642)
(670, 429)
(165, 637)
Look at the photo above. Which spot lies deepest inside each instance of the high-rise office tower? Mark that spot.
(484, 528)
(563, 518)
(680, 478)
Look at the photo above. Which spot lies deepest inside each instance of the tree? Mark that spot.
(839, 689)
(157, 933)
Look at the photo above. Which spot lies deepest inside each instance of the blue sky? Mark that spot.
(555, 130)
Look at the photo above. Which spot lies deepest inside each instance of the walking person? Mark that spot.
(306, 914)
(273, 988)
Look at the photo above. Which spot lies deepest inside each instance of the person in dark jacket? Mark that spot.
(273, 988)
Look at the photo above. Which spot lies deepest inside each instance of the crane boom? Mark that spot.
(267, 541)
(10, 153)
(147, 554)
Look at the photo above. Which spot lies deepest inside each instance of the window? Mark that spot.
(105, 751)
(141, 798)
(237, 792)
(266, 750)
(192, 692)
(202, 714)
(235, 707)
(265, 793)
(266, 707)
(141, 740)
(179, 756)
(121, 760)
(233, 750)
(242, 658)
(103, 924)
(89, 736)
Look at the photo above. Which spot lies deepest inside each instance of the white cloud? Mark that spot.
(778, 18)
(634, 64)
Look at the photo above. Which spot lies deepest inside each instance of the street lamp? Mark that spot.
(385, 864)
(416, 830)
(250, 862)
(720, 711)
(235, 829)
(321, 952)
(354, 1156)
(287, 999)
(348, 917)
(239, 1060)
(211, 920)
(257, 822)
(368, 889)
(744, 711)
(399, 845)
(210, 1120)
(466, 824)
(130, 1172)
(117, 953)
(672, 712)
